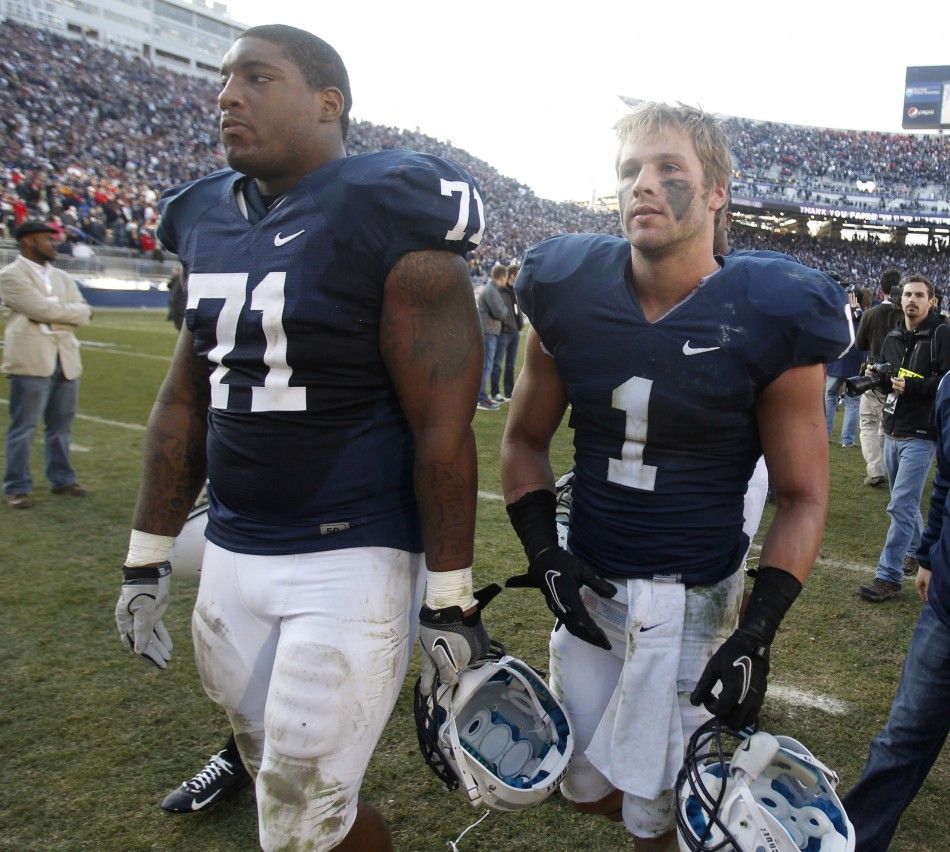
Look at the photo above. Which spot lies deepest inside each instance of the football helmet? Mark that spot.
(499, 733)
(755, 791)
(189, 546)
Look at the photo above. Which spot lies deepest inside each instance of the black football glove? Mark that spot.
(742, 666)
(741, 663)
(452, 641)
(557, 573)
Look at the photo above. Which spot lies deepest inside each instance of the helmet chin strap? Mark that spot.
(465, 777)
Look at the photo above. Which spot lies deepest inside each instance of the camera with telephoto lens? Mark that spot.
(857, 385)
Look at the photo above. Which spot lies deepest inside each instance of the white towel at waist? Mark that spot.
(638, 745)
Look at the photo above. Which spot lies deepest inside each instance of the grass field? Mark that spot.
(91, 739)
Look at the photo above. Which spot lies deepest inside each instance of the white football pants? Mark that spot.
(307, 654)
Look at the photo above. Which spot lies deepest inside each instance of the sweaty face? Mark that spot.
(663, 203)
(270, 117)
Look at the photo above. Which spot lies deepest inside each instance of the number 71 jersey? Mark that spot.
(308, 448)
(663, 412)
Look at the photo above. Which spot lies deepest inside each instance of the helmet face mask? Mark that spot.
(564, 492)
(740, 791)
(499, 733)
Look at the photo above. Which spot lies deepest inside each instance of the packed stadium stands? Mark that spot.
(859, 262)
(93, 136)
(898, 164)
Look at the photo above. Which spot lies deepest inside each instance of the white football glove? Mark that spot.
(451, 641)
(138, 613)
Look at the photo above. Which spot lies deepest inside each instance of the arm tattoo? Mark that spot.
(437, 298)
(444, 511)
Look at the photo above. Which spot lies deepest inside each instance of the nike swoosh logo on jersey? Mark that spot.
(198, 804)
(645, 629)
(698, 350)
(279, 240)
(745, 664)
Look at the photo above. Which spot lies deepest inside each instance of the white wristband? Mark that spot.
(450, 588)
(147, 548)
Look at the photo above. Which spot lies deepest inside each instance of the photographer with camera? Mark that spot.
(915, 355)
(873, 328)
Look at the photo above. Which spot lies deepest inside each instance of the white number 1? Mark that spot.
(633, 398)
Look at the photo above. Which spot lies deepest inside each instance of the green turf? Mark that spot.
(91, 740)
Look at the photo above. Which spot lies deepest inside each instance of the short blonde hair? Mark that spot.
(704, 130)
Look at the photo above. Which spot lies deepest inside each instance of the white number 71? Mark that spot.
(464, 189)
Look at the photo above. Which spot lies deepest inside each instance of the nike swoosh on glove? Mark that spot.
(742, 666)
(452, 641)
(559, 575)
(139, 610)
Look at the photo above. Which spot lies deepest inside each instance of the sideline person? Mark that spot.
(41, 357)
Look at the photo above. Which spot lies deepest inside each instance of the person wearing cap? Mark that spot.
(41, 358)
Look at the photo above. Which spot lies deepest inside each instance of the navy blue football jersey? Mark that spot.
(308, 448)
(665, 434)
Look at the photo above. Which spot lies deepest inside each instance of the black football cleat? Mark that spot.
(222, 776)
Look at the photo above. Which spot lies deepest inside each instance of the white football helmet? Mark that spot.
(750, 792)
(189, 547)
(499, 732)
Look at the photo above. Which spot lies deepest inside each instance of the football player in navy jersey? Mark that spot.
(326, 380)
(681, 368)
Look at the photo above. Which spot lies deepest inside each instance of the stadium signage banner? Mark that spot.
(900, 218)
(883, 217)
(926, 98)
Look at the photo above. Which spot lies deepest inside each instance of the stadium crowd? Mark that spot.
(857, 262)
(96, 137)
(894, 161)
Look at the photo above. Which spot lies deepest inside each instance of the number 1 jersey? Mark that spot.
(308, 448)
(665, 433)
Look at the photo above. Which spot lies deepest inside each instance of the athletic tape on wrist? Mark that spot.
(148, 548)
(450, 588)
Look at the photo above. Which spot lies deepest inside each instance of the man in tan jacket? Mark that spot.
(41, 357)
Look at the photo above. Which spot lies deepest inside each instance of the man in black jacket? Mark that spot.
(919, 354)
(875, 325)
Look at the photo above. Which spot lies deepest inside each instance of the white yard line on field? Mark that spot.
(102, 420)
(128, 354)
(118, 423)
(788, 694)
(827, 562)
